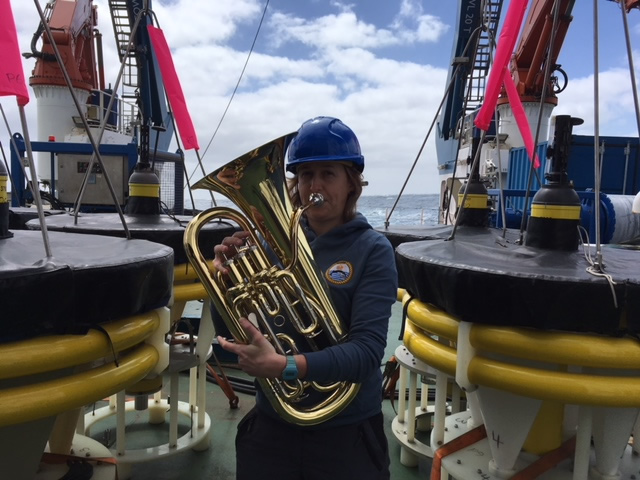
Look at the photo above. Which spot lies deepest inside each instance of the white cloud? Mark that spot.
(331, 31)
(413, 25)
(345, 29)
(616, 106)
(190, 23)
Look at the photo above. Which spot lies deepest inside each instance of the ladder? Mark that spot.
(122, 32)
(482, 57)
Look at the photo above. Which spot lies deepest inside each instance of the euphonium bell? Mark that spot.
(273, 276)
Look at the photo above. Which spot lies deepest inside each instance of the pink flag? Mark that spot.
(500, 76)
(174, 90)
(506, 43)
(11, 73)
(521, 119)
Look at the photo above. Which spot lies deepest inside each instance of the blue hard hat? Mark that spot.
(324, 139)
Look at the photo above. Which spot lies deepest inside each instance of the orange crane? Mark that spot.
(538, 47)
(73, 27)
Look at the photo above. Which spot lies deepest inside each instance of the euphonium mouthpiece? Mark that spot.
(316, 199)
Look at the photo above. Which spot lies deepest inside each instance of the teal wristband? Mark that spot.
(290, 371)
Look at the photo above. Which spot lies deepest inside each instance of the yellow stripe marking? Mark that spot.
(558, 212)
(144, 190)
(474, 200)
(4, 198)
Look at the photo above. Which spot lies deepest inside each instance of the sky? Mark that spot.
(378, 65)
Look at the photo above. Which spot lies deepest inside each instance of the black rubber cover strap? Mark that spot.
(90, 279)
(480, 277)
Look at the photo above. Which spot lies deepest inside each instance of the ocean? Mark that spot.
(411, 209)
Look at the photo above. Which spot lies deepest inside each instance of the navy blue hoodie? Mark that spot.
(359, 266)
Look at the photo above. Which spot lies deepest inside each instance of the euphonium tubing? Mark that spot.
(290, 297)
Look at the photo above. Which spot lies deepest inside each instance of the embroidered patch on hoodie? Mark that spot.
(339, 273)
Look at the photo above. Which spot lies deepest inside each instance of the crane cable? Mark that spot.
(255, 38)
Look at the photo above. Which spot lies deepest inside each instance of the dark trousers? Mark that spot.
(269, 449)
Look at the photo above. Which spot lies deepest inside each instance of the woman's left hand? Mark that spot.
(258, 357)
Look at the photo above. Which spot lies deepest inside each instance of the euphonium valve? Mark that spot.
(273, 277)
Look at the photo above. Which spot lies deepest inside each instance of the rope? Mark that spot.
(596, 269)
(255, 38)
(632, 73)
(458, 443)
(547, 461)
(596, 132)
(405, 309)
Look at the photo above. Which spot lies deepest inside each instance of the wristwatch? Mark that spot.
(290, 371)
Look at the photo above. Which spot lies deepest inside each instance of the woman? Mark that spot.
(359, 266)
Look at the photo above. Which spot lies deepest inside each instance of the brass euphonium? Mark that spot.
(283, 288)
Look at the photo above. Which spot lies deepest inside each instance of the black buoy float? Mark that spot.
(144, 192)
(555, 208)
(144, 184)
(473, 210)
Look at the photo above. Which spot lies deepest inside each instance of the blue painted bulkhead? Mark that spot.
(620, 176)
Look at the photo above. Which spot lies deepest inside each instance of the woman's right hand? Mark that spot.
(227, 249)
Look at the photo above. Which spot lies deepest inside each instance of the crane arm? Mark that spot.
(629, 4)
(539, 46)
(73, 27)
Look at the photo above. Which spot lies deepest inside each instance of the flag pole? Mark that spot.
(34, 181)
